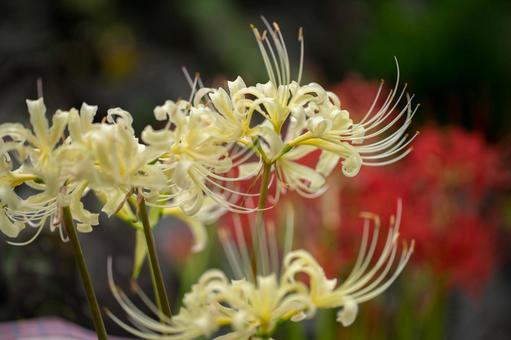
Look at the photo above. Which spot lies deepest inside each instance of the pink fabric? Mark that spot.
(45, 329)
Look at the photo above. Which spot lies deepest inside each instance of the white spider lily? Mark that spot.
(199, 161)
(118, 163)
(42, 165)
(250, 308)
(300, 119)
(255, 309)
(253, 304)
(231, 119)
(369, 278)
(217, 131)
(321, 120)
(289, 172)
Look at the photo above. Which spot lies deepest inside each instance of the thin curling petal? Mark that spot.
(347, 315)
(8, 227)
(9, 200)
(253, 305)
(351, 165)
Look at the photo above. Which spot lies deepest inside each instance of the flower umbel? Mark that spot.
(61, 163)
(252, 305)
(220, 138)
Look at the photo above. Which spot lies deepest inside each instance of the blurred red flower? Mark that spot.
(447, 185)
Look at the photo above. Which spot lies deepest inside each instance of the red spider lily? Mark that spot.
(446, 185)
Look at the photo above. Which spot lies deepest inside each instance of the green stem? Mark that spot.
(99, 325)
(260, 259)
(265, 181)
(325, 325)
(154, 283)
(156, 275)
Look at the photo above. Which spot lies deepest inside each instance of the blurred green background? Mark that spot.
(454, 54)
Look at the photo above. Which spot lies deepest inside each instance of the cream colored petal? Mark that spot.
(222, 103)
(299, 151)
(37, 110)
(298, 174)
(181, 176)
(84, 227)
(59, 121)
(9, 228)
(236, 85)
(341, 120)
(113, 201)
(327, 163)
(318, 125)
(79, 212)
(192, 201)
(116, 115)
(75, 126)
(160, 138)
(249, 169)
(87, 113)
(8, 197)
(351, 165)
(347, 315)
(358, 132)
(164, 111)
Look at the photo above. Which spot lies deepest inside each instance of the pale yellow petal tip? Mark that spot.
(347, 315)
(35, 104)
(84, 228)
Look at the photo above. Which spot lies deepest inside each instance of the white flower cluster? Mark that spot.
(208, 147)
(60, 163)
(252, 307)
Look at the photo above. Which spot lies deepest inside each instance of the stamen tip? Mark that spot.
(134, 286)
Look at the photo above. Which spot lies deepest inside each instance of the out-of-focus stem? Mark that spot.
(261, 259)
(84, 274)
(162, 300)
(265, 181)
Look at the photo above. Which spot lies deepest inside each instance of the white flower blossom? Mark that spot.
(200, 161)
(254, 304)
(41, 163)
(283, 121)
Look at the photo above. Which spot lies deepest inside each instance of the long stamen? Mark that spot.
(300, 66)
(280, 50)
(231, 253)
(259, 40)
(285, 54)
(240, 238)
(274, 59)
